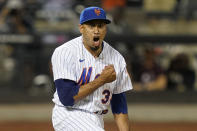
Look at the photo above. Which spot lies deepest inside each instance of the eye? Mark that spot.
(92, 25)
(100, 25)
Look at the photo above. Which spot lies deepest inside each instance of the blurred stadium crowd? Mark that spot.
(157, 38)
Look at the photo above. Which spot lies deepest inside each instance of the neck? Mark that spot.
(93, 51)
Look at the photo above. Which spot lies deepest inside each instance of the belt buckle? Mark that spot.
(105, 111)
(101, 112)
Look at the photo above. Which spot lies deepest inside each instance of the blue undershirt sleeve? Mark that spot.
(66, 90)
(119, 104)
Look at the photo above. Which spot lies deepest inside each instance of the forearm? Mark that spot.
(89, 88)
(122, 122)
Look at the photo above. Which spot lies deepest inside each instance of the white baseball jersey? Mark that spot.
(73, 61)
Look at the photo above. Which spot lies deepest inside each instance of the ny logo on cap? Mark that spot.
(97, 12)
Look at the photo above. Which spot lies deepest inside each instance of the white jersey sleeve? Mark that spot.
(63, 64)
(123, 80)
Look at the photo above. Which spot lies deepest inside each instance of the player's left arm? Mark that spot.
(122, 122)
(118, 101)
(120, 111)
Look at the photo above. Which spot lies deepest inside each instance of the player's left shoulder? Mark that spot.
(114, 57)
(113, 53)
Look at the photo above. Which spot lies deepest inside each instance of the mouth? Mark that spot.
(96, 41)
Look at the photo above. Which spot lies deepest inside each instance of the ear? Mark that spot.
(81, 28)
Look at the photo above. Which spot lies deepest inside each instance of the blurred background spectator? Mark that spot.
(115, 8)
(180, 74)
(14, 19)
(116, 12)
(148, 75)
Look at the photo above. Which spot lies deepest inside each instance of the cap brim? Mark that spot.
(105, 20)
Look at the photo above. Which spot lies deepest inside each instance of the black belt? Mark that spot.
(96, 112)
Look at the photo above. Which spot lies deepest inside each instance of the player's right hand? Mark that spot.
(108, 74)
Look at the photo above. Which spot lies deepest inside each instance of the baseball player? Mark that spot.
(89, 75)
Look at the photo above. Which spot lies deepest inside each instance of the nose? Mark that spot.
(96, 29)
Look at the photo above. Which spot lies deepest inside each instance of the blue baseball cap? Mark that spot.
(93, 13)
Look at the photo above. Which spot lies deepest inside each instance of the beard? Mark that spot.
(94, 48)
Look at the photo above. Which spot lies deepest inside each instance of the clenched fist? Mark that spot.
(108, 74)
